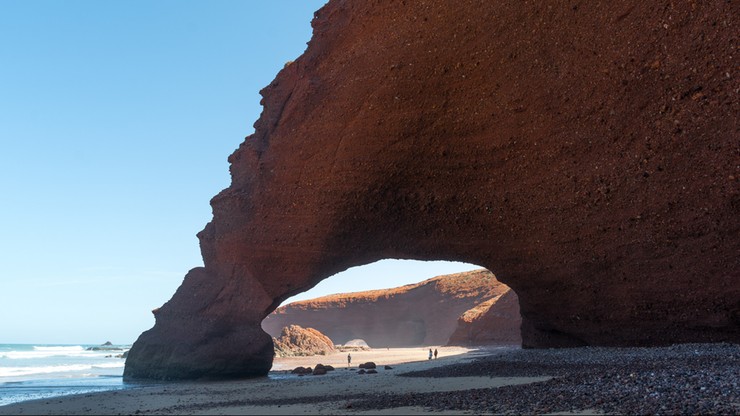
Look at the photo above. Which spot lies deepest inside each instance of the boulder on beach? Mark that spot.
(321, 369)
(302, 370)
(368, 365)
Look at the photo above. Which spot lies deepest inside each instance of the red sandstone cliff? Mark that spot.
(495, 321)
(586, 152)
(425, 313)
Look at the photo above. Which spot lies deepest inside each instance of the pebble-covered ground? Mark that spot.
(681, 379)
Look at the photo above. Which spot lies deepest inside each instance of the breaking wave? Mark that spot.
(61, 351)
(27, 371)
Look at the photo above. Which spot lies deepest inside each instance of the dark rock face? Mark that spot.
(420, 314)
(586, 153)
(199, 311)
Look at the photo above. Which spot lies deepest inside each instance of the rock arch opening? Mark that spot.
(405, 303)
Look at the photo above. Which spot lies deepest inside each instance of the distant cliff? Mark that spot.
(495, 321)
(425, 313)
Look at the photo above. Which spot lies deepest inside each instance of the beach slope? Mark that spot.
(680, 379)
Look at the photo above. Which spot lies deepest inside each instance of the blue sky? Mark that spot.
(116, 119)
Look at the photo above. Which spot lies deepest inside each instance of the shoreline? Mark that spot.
(687, 378)
(228, 397)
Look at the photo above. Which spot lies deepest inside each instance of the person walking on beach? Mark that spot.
(430, 353)
(349, 360)
(435, 353)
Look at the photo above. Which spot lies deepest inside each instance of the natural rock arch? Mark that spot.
(586, 152)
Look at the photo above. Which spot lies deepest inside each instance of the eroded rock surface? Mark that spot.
(425, 313)
(295, 340)
(585, 152)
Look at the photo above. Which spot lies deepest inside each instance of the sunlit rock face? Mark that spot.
(493, 322)
(585, 152)
(420, 314)
(294, 340)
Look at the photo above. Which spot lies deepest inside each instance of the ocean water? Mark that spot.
(29, 372)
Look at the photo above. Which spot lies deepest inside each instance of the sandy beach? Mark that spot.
(684, 379)
(298, 392)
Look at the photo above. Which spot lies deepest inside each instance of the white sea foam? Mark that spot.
(25, 371)
(64, 349)
(119, 364)
(37, 371)
(16, 355)
(46, 352)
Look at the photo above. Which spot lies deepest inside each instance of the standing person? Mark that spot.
(435, 353)
(430, 353)
(349, 360)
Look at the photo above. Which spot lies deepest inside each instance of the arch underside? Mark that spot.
(577, 170)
